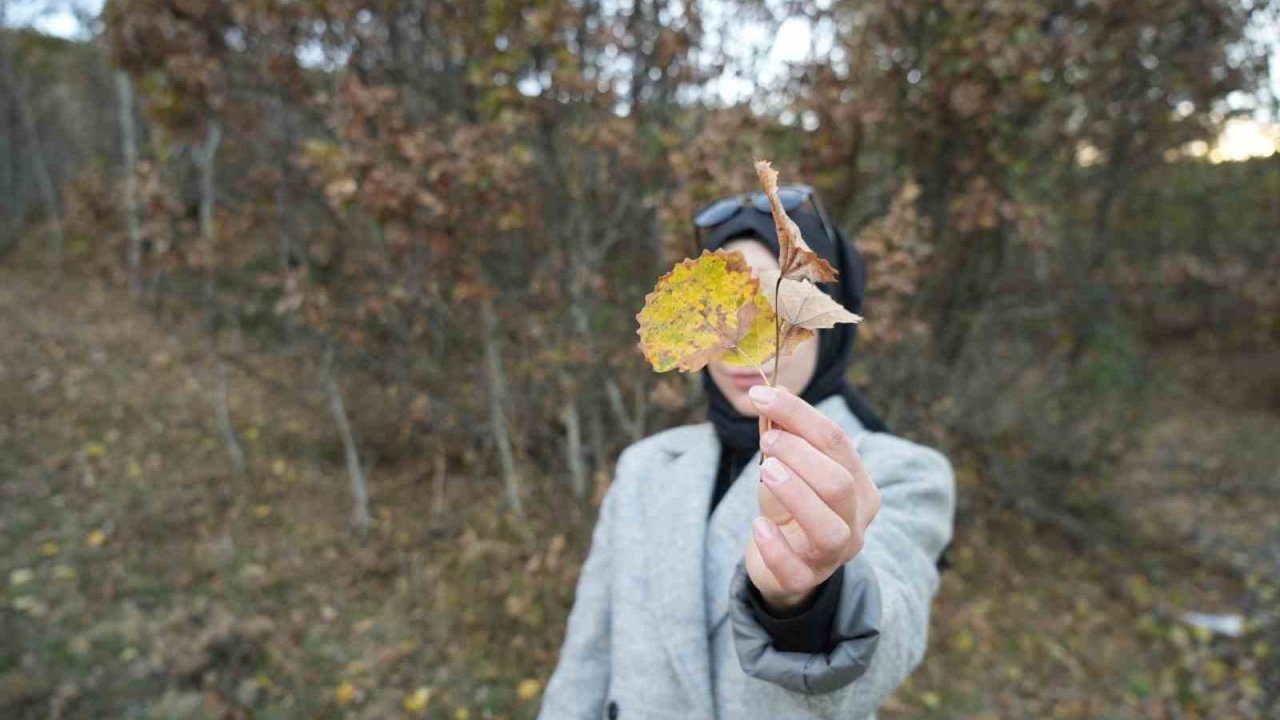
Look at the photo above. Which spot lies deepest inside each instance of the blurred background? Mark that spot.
(317, 337)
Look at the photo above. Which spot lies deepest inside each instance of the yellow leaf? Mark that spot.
(756, 347)
(95, 449)
(416, 701)
(31, 606)
(528, 689)
(95, 539)
(278, 467)
(79, 645)
(698, 311)
(262, 512)
(796, 259)
(1250, 687)
(134, 470)
(49, 548)
(320, 151)
(345, 694)
(64, 572)
(462, 714)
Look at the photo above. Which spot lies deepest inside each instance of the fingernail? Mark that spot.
(762, 394)
(773, 472)
(762, 528)
(768, 439)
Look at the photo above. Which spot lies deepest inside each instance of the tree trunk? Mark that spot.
(48, 192)
(633, 425)
(129, 145)
(224, 424)
(282, 186)
(1111, 188)
(440, 480)
(10, 203)
(497, 401)
(44, 179)
(595, 426)
(573, 450)
(207, 199)
(359, 486)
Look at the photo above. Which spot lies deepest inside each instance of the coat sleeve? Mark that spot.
(805, 631)
(881, 626)
(580, 682)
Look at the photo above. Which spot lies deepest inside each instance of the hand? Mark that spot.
(816, 498)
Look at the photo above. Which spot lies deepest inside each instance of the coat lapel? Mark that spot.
(676, 505)
(727, 535)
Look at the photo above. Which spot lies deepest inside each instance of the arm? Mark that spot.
(580, 682)
(881, 628)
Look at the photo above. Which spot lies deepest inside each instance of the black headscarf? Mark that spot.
(835, 346)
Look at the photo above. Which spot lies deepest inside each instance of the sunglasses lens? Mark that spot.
(791, 198)
(716, 213)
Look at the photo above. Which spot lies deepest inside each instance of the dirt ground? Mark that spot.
(142, 577)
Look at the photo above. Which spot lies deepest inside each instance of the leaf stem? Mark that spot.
(777, 352)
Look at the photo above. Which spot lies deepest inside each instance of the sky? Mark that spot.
(1241, 138)
(52, 17)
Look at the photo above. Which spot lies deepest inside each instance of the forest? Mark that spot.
(318, 333)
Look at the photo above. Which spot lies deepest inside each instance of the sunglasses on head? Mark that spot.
(716, 213)
(722, 210)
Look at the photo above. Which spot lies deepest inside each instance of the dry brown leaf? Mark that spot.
(793, 337)
(797, 259)
(801, 304)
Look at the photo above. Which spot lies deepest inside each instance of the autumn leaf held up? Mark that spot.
(715, 308)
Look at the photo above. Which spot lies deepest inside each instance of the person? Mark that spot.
(719, 587)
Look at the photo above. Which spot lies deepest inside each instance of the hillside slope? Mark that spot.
(140, 576)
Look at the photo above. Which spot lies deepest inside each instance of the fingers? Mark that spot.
(770, 506)
(830, 480)
(828, 538)
(804, 420)
(789, 570)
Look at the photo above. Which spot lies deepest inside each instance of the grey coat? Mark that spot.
(661, 626)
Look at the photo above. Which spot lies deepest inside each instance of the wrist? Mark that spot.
(783, 604)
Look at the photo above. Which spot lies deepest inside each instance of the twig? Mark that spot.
(359, 486)
(224, 423)
(633, 426)
(441, 479)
